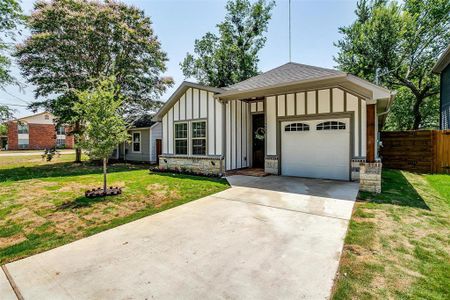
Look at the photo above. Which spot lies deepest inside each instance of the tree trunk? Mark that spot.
(105, 162)
(416, 112)
(77, 150)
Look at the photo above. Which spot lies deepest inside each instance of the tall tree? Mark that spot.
(232, 56)
(398, 44)
(10, 18)
(105, 127)
(74, 41)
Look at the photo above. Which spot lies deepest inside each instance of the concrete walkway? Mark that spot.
(264, 238)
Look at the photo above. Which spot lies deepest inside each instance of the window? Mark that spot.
(22, 128)
(23, 143)
(46, 117)
(199, 138)
(136, 143)
(331, 125)
(181, 138)
(60, 143)
(60, 130)
(297, 127)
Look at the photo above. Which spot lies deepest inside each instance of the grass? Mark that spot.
(398, 242)
(42, 204)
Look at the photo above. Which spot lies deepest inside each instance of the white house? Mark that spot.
(294, 120)
(145, 142)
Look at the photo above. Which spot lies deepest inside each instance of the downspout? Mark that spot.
(387, 111)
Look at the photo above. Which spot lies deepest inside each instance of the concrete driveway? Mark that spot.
(264, 238)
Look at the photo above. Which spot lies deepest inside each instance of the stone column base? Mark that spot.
(271, 165)
(370, 177)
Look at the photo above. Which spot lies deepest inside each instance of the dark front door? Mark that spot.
(158, 149)
(258, 141)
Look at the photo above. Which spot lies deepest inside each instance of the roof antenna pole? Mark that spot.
(290, 57)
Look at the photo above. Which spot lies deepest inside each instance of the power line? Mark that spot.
(18, 98)
(10, 104)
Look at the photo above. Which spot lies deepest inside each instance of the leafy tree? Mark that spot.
(6, 113)
(400, 117)
(104, 128)
(232, 56)
(398, 44)
(74, 41)
(3, 130)
(10, 18)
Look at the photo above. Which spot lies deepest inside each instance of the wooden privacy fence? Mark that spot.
(425, 151)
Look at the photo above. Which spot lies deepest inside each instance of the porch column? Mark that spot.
(370, 133)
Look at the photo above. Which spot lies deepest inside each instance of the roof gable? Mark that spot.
(178, 93)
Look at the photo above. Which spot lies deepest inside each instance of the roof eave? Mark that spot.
(443, 62)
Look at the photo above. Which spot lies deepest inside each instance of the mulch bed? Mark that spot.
(111, 191)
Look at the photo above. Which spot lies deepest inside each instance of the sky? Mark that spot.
(178, 23)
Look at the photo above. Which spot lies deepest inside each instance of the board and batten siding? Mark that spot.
(257, 106)
(194, 105)
(238, 134)
(155, 133)
(316, 102)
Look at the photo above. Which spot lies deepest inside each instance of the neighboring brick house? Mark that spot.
(38, 132)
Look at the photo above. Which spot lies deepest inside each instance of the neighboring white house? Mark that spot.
(294, 120)
(143, 146)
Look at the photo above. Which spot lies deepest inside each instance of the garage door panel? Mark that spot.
(316, 153)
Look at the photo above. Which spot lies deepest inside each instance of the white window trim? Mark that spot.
(140, 142)
(190, 138)
(63, 128)
(201, 138)
(23, 124)
(187, 138)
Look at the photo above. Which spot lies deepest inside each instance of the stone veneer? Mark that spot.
(271, 165)
(355, 167)
(207, 165)
(370, 177)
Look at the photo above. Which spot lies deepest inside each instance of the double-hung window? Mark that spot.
(136, 143)
(60, 130)
(181, 138)
(23, 143)
(199, 138)
(22, 128)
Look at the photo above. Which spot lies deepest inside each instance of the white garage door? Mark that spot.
(316, 149)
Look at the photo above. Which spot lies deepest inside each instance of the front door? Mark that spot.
(258, 137)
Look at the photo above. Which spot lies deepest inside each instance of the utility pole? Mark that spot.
(290, 56)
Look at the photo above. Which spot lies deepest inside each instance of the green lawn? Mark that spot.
(42, 205)
(398, 243)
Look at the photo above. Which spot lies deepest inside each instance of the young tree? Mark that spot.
(232, 56)
(10, 18)
(398, 44)
(104, 128)
(73, 41)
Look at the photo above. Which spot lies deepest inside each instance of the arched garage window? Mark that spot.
(297, 127)
(331, 125)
